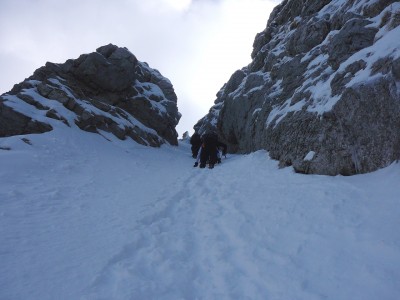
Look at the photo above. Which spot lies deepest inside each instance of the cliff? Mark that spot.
(322, 93)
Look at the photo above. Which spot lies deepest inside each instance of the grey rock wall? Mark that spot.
(322, 93)
(105, 91)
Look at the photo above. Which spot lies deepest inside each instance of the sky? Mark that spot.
(197, 44)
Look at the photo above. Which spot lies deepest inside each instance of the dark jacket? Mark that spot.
(195, 139)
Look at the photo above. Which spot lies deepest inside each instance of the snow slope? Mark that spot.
(84, 218)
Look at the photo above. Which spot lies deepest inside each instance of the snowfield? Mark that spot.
(85, 218)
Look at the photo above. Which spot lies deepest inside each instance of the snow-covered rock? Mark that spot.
(105, 91)
(325, 77)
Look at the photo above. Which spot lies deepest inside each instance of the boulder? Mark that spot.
(107, 90)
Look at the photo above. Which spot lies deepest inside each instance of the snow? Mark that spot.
(310, 155)
(278, 113)
(85, 218)
(64, 88)
(386, 45)
(149, 90)
(40, 115)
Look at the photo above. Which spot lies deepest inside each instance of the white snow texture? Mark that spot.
(85, 218)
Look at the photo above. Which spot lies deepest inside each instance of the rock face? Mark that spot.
(108, 91)
(322, 92)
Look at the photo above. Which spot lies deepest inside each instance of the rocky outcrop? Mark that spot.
(322, 92)
(105, 91)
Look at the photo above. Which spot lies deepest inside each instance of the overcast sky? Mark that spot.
(197, 44)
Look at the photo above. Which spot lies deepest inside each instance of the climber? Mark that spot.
(221, 151)
(195, 141)
(209, 150)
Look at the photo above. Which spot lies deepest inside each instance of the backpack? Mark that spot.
(195, 139)
(210, 139)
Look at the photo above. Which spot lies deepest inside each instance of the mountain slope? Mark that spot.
(84, 218)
